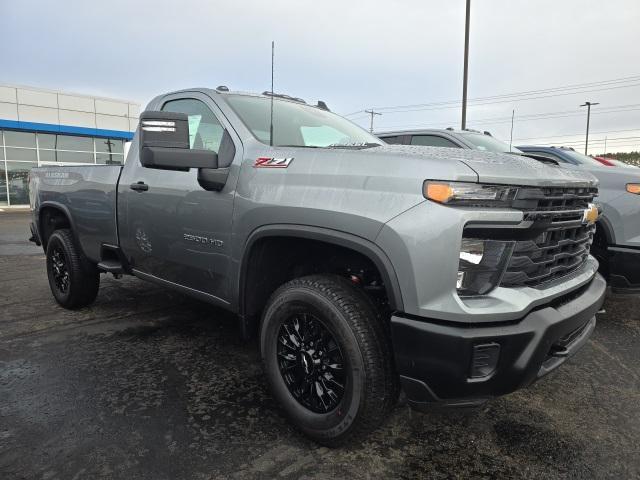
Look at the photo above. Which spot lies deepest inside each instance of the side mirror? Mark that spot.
(164, 143)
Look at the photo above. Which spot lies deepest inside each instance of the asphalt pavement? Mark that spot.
(149, 384)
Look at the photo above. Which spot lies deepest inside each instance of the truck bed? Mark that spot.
(88, 193)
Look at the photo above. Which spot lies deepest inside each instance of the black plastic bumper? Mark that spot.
(435, 359)
(624, 268)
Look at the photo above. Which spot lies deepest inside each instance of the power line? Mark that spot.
(473, 103)
(530, 117)
(603, 83)
(556, 91)
(576, 134)
(602, 140)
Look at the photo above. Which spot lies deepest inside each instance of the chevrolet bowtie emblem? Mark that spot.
(590, 215)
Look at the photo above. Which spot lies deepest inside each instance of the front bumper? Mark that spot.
(624, 268)
(435, 358)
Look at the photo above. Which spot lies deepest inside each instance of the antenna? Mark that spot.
(273, 48)
(513, 114)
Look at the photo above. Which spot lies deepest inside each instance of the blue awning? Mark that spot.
(65, 129)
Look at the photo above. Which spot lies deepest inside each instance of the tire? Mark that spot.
(345, 325)
(74, 280)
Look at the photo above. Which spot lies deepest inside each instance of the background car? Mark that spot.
(450, 137)
(617, 240)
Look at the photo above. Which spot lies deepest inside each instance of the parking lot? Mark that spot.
(148, 383)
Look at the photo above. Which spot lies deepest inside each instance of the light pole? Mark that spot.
(586, 140)
(466, 66)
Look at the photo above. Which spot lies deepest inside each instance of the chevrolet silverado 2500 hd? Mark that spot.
(616, 242)
(363, 268)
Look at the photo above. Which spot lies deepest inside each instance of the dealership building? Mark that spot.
(45, 127)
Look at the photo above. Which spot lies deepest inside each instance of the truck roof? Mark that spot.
(224, 90)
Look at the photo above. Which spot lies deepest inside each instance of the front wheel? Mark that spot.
(327, 358)
(74, 280)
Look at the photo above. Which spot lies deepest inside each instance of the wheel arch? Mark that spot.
(53, 216)
(324, 236)
(604, 226)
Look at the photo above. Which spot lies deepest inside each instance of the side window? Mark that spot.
(205, 132)
(432, 141)
(397, 140)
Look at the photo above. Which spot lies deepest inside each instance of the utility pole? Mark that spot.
(586, 141)
(372, 113)
(605, 147)
(513, 114)
(466, 67)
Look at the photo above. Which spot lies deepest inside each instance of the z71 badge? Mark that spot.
(271, 162)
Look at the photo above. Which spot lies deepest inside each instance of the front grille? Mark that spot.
(563, 245)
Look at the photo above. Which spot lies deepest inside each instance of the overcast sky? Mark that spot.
(353, 54)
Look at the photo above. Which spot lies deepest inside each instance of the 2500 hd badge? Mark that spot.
(200, 239)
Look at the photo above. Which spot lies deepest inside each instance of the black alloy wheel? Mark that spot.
(311, 363)
(60, 270)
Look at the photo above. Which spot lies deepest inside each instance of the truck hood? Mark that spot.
(500, 168)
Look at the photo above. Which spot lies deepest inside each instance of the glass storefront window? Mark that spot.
(20, 139)
(52, 149)
(110, 158)
(3, 184)
(67, 142)
(109, 145)
(18, 173)
(47, 155)
(75, 157)
(46, 140)
(22, 154)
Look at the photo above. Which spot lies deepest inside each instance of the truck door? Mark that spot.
(172, 230)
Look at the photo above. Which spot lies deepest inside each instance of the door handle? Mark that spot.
(139, 187)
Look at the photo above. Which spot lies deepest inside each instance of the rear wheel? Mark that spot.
(74, 280)
(327, 358)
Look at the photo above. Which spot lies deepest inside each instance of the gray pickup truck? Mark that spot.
(616, 243)
(363, 268)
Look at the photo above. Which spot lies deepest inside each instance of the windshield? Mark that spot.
(298, 125)
(582, 159)
(488, 143)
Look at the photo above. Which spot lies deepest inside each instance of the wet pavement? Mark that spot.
(149, 384)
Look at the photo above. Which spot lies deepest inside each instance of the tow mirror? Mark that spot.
(164, 143)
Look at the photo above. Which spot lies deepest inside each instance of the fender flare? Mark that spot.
(335, 237)
(65, 211)
(605, 224)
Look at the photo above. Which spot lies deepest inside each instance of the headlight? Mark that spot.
(469, 194)
(481, 265)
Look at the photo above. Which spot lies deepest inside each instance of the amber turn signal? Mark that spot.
(633, 188)
(439, 192)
